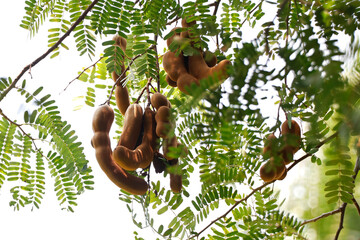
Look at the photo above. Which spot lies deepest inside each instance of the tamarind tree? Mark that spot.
(286, 55)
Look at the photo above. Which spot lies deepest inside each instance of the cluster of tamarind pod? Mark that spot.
(182, 71)
(138, 143)
(280, 155)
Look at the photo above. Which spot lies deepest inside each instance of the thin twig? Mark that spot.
(31, 65)
(21, 129)
(252, 10)
(341, 223)
(310, 154)
(356, 205)
(234, 206)
(343, 207)
(321, 216)
(92, 65)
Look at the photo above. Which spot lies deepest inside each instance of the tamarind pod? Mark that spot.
(272, 169)
(170, 81)
(120, 41)
(132, 126)
(102, 121)
(122, 98)
(283, 175)
(163, 114)
(175, 182)
(142, 156)
(287, 154)
(186, 24)
(163, 125)
(167, 143)
(157, 100)
(210, 58)
(171, 39)
(269, 142)
(121, 92)
(292, 135)
(176, 69)
(199, 69)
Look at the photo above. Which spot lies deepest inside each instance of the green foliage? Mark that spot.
(23, 157)
(291, 58)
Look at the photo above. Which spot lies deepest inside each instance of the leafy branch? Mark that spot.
(43, 56)
(261, 187)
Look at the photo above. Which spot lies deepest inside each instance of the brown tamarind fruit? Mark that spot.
(272, 170)
(163, 125)
(292, 139)
(157, 100)
(102, 121)
(167, 143)
(170, 81)
(200, 70)
(210, 58)
(142, 156)
(133, 122)
(121, 92)
(269, 143)
(283, 175)
(293, 132)
(175, 182)
(186, 24)
(176, 69)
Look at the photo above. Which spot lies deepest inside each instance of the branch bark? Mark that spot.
(36, 61)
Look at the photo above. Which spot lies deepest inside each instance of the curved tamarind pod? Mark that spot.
(293, 132)
(167, 144)
(269, 142)
(175, 182)
(171, 39)
(170, 81)
(143, 154)
(133, 122)
(102, 121)
(210, 58)
(121, 92)
(185, 24)
(175, 67)
(199, 69)
(162, 118)
(271, 170)
(157, 100)
(283, 175)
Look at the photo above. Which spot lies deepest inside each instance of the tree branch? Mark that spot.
(92, 65)
(234, 206)
(217, 3)
(310, 154)
(21, 129)
(356, 205)
(261, 187)
(321, 216)
(80, 19)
